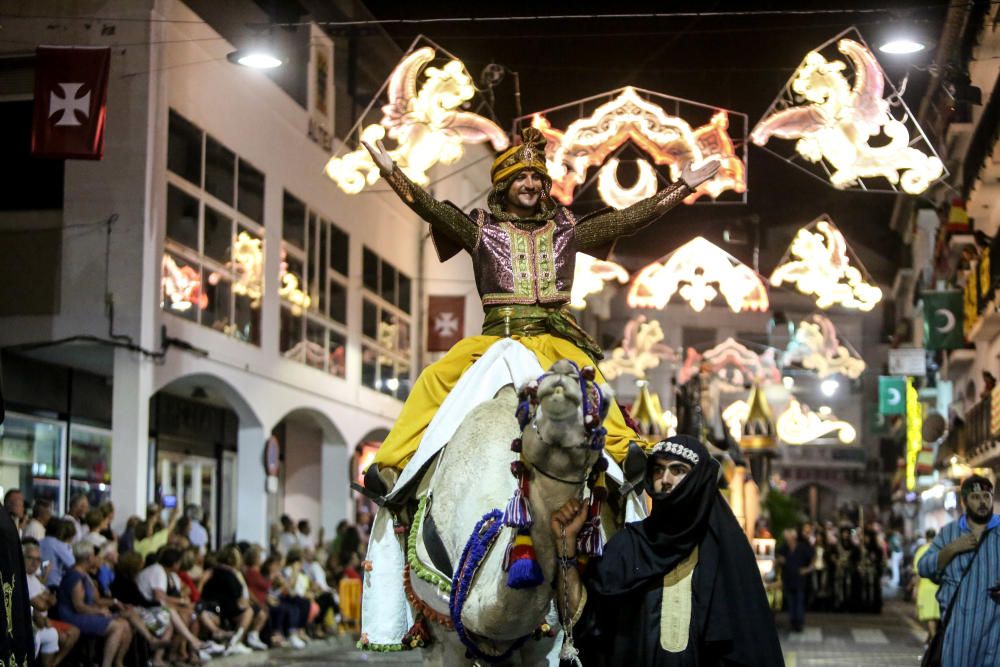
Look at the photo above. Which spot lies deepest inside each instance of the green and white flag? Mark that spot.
(943, 320)
(892, 395)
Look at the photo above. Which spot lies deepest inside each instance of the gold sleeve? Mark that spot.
(601, 229)
(445, 218)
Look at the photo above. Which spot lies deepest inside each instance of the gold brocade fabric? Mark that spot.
(442, 216)
(675, 612)
(604, 227)
(522, 320)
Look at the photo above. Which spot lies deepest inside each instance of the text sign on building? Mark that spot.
(908, 361)
(319, 91)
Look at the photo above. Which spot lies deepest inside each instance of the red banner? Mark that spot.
(445, 322)
(71, 96)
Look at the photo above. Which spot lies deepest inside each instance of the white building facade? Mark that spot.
(223, 222)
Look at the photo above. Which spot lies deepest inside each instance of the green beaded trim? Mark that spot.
(379, 648)
(418, 568)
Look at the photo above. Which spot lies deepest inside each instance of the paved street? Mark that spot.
(892, 639)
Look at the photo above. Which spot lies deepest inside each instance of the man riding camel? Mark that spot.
(524, 251)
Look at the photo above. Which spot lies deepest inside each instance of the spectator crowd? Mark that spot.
(158, 594)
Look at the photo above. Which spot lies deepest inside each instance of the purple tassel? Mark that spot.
(517, 513)
(525, 573)
(589, 541)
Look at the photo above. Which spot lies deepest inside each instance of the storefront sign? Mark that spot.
(908, 361)
(320, 87)
(914, 433)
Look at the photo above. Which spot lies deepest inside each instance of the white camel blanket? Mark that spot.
(385, 613)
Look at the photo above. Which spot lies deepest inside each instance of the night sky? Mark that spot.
(739, 63)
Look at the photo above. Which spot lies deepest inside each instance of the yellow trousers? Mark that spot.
(438, 379)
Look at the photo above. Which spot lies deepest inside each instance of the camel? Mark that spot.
(462, 473)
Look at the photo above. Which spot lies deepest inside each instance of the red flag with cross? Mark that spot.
(71, 96)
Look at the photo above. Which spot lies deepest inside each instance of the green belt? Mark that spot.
(522, 320)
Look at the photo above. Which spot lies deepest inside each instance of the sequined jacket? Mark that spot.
(528, 262)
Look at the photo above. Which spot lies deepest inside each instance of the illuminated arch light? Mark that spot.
(818, 263)
(289, 290)
(732, 364)
(590, 276)
(668, 140)
(616, 196)
(427, 125)
(834, 122)
(798, 425)
(734, 416)
(815, 346)
(698, 272)
(642, 348)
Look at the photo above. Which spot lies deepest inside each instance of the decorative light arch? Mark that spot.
(634, 115)
(820, 263)
(835, 115)
(698, 272)
(427, 123)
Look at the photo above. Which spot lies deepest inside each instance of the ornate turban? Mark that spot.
(529, 154)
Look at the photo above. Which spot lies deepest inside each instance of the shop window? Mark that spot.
(31, 455)
(313, 288)
(211, 267)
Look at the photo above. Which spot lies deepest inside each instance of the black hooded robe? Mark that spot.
(731, 622)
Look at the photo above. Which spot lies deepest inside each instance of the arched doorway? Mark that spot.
(362, 456)
(312, 486)
(196, 425)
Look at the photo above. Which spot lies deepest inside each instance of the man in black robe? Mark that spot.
(17, 645)
(680, 588)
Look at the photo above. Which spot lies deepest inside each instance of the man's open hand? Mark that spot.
(695, 177)
(380, 155)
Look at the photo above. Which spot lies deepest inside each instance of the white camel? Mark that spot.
(472, 479)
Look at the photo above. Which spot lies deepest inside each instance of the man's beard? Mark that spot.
(981, 516)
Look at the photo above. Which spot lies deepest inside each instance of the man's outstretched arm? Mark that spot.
(602, 229)
(444, 218)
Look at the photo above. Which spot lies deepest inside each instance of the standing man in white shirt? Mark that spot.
(79, 505)
(198, 535)
(289, 539)
(41, 512)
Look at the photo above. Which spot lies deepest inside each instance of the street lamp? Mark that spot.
(900, 45)
(257, 53)
(829, 387)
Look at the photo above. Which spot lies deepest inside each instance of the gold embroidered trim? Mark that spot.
(675, 611)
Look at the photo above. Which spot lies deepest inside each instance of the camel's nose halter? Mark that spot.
(520, 560)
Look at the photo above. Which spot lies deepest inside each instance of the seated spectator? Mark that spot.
(108, 510)
(179, 537)
(197, 534)
(56, 548)
(152, 535)
(41, 514)
(79, 605)
(157, 616)
(306, 540)
(225, 601)
(319, 589)
(296, 590)
(189, 562)
(287, 619)
(126, 541)
(289, 538)
(95, 522)
(79, 505)
(53, 639)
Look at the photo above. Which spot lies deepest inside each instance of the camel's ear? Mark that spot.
(609, 397)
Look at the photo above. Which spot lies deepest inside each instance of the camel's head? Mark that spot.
(561, 415)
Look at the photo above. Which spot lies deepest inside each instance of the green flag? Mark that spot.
(943, 320)
(892, 395)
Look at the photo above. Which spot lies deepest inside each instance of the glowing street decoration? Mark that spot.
(616, 196)
(427, 125)
(590, 276)
(247, 265)
(914, 433)
(819, 262)
(835, 123)
(642, 348)
(734, 416)
(732, 364)
(815, 346)
(182, 286)
(798, 425)
(698, 272)
(668, 140)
